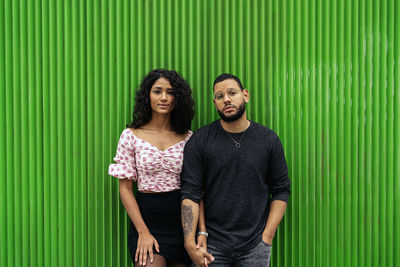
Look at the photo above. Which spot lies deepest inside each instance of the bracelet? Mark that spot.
(202, 233)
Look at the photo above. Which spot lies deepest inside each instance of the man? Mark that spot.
(234, 165)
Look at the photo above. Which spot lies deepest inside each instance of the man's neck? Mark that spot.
(236, 126)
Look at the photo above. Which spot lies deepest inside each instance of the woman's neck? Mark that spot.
(159, 123)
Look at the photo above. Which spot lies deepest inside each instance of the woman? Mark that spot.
(150, 152)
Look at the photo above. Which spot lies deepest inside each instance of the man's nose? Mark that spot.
(226, 99)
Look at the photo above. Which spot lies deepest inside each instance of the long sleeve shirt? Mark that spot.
(237, 184)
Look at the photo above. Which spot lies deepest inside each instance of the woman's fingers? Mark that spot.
(157, 245)
(146, 247)
(201, 242)
(137, 254)
(151, 254)
(144, 256)
(208, 256)
(141, 256)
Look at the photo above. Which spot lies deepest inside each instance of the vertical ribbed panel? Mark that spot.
(325, 75)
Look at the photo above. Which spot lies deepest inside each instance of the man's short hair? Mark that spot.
(227, 76)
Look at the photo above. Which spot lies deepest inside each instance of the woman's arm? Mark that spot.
(146, 240)
(190, 217)
(201, 227)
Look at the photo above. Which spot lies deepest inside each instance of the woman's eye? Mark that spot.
(156, 91)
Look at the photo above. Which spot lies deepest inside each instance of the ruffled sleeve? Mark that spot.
(124, 168)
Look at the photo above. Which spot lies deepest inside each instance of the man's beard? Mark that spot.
(234, 117)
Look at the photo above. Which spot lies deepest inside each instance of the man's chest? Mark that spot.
(222, 155)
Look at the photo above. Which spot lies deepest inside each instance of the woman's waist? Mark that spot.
(159, 196)
(163, 179)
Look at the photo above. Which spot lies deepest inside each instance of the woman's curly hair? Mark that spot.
(183, 112)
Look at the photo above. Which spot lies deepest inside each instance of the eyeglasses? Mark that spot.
(231, 92)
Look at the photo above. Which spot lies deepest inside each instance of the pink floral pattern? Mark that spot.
(154, 169)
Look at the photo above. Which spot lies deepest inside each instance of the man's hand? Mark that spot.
(267, 238)
(199, 256)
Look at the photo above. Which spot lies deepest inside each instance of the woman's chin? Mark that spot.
(162, 111)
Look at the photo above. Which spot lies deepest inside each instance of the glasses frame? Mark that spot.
(227, 92)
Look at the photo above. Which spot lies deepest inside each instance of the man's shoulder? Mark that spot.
(264, 130)
(266, 134)
(206, 128)
(199, 136)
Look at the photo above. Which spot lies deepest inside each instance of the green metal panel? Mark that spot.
(325, 75)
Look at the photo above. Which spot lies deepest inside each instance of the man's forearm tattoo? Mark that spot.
(187, 220)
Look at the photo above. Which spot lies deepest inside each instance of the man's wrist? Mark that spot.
(267, 237)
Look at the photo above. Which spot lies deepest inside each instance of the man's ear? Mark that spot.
(246, 95)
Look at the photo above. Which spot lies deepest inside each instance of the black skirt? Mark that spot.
(162, 214)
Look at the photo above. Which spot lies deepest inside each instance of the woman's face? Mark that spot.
(162, 96)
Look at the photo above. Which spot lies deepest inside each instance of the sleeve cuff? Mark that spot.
(122, 171)
(191, 196)
(283, 196)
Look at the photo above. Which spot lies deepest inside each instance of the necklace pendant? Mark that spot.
(237, 145)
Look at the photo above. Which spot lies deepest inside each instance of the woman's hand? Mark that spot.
(145, 244)
(202, 243)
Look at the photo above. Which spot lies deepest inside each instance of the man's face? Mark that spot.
(229, 100)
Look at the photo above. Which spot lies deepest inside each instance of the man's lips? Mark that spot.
(228, 108)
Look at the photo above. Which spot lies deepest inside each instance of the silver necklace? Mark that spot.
(237, 143)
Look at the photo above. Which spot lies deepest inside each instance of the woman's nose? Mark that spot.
(164, 96)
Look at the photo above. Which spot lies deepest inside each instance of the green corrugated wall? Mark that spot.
(325, 75)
